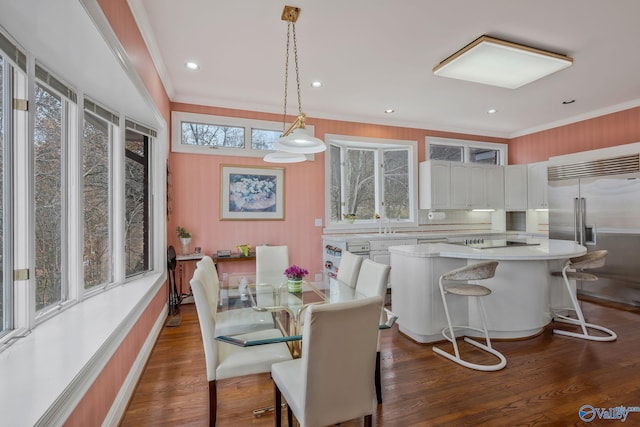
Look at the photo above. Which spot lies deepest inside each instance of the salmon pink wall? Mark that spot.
(195, 192)
(606, 131)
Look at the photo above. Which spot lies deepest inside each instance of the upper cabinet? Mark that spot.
(515, 187)
(537, 186)
(454, 185)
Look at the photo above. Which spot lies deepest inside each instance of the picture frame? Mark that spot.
(251, 193)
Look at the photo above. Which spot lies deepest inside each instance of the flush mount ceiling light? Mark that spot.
(500, 63)
(296, 138)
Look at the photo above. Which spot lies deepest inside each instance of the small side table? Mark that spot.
(182, 259)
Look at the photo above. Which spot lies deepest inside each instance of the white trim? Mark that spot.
(129, 386)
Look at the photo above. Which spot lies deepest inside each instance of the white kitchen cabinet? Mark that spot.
(460, 190)
(494, 186)
(537, 186)
(435, 184)
(515, 187)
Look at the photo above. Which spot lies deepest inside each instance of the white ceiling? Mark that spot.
(372, 55)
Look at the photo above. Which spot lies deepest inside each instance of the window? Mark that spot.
(367, 176)
(224, 136)
(456, 150)
(137, 215)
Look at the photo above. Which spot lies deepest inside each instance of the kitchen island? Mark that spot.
(522, 289)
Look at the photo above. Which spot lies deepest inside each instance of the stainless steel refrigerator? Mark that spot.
(597, 204)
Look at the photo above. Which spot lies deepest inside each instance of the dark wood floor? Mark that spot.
(546, 381)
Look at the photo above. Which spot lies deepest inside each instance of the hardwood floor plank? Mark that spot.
(546, 381)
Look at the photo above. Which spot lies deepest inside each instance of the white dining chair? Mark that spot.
(225, 360)
(577, 266)
(331, 382)
(271, 262)
(349, 268)
(372, 280)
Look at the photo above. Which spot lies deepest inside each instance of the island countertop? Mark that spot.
(544, 249)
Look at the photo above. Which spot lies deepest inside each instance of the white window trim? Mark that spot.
(177, 117)
(355, 141)
(466, 144)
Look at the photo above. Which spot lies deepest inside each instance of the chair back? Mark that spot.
(271, 262)
(206, 316)
(349, 268)
(339, 359)
(210, 277)
(589, 260)
(373, 278)
(478, 271)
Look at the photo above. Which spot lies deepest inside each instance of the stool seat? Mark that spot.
(468, 290)
(478, 271)
(593, 259)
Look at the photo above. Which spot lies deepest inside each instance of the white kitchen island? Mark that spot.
(522, 289)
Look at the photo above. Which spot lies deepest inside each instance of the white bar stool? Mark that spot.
(590, 260)
(479, 271)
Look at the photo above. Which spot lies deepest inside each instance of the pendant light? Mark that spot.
(295, 140)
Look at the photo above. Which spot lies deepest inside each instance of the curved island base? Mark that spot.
(522, 291)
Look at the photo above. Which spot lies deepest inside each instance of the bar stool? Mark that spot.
(590, 260)
(479, 271)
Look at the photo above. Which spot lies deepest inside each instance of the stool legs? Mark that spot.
(580, 321)
(452, 338)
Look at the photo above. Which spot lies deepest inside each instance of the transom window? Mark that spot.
(224, 136)
(457, 150)
(370, 181)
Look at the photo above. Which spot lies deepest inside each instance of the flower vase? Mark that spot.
(185, 243)
(294, 285)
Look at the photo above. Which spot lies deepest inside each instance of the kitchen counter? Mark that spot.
(522, 289)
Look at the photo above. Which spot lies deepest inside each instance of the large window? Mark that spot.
(457, 150)
(369, 181)
(137, 215)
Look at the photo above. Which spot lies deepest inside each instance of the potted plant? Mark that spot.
(294, 277)
(185, 240)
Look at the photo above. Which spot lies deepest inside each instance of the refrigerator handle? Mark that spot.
(583, 219)
(576, 219)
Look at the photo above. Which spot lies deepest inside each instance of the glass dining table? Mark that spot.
(287, 308)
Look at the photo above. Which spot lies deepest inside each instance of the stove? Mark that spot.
(481, 243)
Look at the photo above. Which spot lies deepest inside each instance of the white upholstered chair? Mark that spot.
(458, 285)
(271, 262)
(332, 381)
(588, 261)
(372, 280)
(226, 360)
(349, 268)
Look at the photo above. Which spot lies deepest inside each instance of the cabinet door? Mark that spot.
(434, 184)
(537, 186)
(515, 187)
(477, 190)
(494, 187)
(459, 186)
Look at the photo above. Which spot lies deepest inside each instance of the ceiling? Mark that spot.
(375, 55)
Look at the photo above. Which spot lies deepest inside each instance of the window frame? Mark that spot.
(379, 145)
(177, 117)
(466, 145)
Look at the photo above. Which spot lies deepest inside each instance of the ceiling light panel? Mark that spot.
(500, 63)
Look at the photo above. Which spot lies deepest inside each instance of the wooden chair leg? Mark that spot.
(277, 407)
(377, 378)
(368, 419)
(213, 403)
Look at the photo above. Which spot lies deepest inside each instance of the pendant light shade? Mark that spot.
(296, 140)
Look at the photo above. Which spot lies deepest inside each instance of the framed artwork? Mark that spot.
(251, 193)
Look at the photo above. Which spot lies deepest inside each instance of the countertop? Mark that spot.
(547, 249)
(424, 235)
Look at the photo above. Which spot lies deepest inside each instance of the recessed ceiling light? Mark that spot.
(192, 65)
(492, 111)
(569, 101)
(389, 111)
(316, 84)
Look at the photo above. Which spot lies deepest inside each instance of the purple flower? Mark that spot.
(296, 273)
